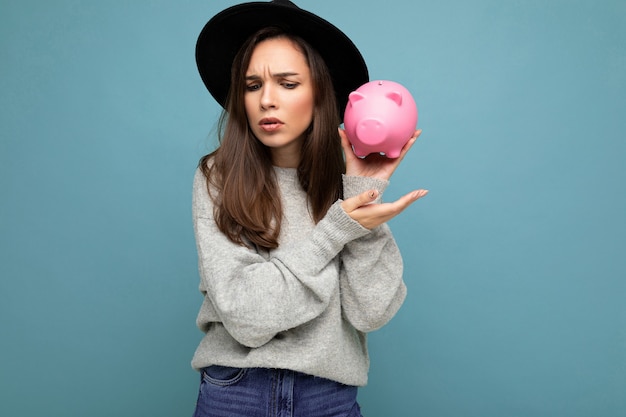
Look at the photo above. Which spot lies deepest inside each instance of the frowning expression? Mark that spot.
(279, 98)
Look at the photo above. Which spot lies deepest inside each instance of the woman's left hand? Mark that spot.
(373, 165)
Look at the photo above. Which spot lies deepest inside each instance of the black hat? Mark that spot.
(222, 37)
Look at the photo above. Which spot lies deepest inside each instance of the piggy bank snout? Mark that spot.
(372, 131)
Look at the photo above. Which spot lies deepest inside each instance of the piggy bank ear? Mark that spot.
(395, 96)
(355, 96)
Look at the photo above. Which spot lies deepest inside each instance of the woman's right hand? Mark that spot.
(370, 215)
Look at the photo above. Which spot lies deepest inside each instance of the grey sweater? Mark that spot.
(305, 306)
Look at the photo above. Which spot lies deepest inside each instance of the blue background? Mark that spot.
(515, 262)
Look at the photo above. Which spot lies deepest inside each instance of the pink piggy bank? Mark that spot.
(380, 117)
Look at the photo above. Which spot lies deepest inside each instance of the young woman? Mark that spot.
(296, 261)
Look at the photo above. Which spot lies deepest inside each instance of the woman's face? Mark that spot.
(279, 98)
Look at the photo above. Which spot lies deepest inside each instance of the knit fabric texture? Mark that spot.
(307, 305)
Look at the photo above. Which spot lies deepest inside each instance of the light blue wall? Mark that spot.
(515, 262)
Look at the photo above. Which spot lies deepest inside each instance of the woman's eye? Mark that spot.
(289, 85)
(253, 87)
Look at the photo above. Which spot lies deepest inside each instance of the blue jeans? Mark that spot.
(260, 392)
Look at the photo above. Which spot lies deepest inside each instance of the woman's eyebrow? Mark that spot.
(254, 77)
(285, 74)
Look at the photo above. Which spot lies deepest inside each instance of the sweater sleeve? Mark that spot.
(372, 289)
(257, 295)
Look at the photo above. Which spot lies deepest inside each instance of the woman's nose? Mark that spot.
(268, 99)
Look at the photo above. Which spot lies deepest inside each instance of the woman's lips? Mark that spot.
(270, 124)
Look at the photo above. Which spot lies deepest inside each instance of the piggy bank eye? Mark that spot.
(395, 96)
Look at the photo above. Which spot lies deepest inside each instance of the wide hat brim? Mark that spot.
(222, 37)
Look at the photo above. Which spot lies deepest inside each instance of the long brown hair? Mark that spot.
(240, 176)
